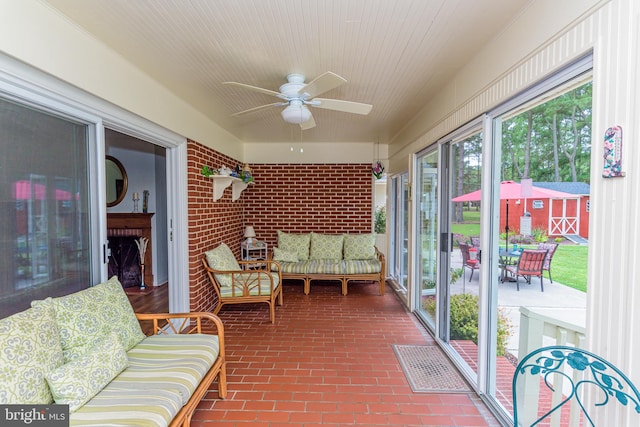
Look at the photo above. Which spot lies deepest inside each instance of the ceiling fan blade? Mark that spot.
(254, 88)
(261, 107)
(308, 124)
(322, 84)
(340, 105)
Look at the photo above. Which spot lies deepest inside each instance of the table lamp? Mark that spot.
(249, 234)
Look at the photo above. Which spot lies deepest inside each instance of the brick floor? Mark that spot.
(328, 361)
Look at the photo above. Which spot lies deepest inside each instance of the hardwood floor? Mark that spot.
(155, 300)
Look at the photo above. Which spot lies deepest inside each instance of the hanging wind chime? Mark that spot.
(378, 168)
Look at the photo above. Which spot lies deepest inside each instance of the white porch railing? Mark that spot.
(539, 330)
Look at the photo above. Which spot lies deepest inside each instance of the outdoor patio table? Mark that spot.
(507, 257)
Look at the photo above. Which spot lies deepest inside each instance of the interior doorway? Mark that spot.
(144, 166)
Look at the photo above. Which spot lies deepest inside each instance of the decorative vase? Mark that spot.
(142, 285)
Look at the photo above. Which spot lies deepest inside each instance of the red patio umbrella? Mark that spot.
(511, 190)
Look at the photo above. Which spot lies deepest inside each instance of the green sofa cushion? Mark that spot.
(163, 372)
(326, 246)
(324, 266)
(84, 318)
(172, 362)
(78, 381)
(221, 258)
(359, 246)
(361, 266)
(295, 243)
(148, 408)
(29, 348)
(299, 267)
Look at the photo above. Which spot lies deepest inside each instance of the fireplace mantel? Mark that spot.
(135, 225)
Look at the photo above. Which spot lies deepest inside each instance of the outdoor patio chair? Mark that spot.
(551, 248)
(567, 386)
(242, 282)
(467, 262)
(529, 265)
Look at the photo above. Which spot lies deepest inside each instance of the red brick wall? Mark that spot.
(299, 198)
(331, 198)
(210, 222)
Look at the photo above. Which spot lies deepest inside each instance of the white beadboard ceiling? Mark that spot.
(394, 54)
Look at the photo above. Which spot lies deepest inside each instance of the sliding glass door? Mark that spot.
(399, 220)
(427, 225)
(46, 238)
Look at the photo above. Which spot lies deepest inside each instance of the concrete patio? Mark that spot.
(557, 301)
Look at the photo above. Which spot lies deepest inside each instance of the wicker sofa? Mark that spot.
(87, 350)
(341, 257)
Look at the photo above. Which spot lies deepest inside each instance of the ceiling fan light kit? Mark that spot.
(296, 112)
(298, 96)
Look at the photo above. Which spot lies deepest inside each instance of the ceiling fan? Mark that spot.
(297, 96)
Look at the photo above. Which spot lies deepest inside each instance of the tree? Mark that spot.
(534, 139)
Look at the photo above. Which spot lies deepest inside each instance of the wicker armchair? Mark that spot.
(243, 282)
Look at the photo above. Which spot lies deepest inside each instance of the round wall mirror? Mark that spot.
(116, 181)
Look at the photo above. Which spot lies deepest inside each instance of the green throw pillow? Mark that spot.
(221, 258)
(29, 348)
(326, 246)
(360, 246)
(280, 255)
(75, 383)
(295, 243)
(84, 318)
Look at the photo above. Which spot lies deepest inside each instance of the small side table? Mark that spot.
(257, 251)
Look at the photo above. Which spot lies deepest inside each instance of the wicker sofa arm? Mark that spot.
(184, 323)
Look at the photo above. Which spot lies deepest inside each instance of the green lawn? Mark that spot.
(569, 264)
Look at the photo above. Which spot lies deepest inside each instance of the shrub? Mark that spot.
(540, 235)
(464, 320)
(380, 222)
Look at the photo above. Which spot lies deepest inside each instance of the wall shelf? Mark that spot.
(221, 182)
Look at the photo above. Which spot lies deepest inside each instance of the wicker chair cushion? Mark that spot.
(360, 246)
(326, 246)
(296, 243)
(257, 284)
(221, 258)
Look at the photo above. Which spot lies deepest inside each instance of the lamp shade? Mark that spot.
(296, 112)
(249, 232)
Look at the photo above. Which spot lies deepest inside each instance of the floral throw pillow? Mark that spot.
(86, 317)
(360, 246)
(75, 383)
(29, 348)
(295, 243)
